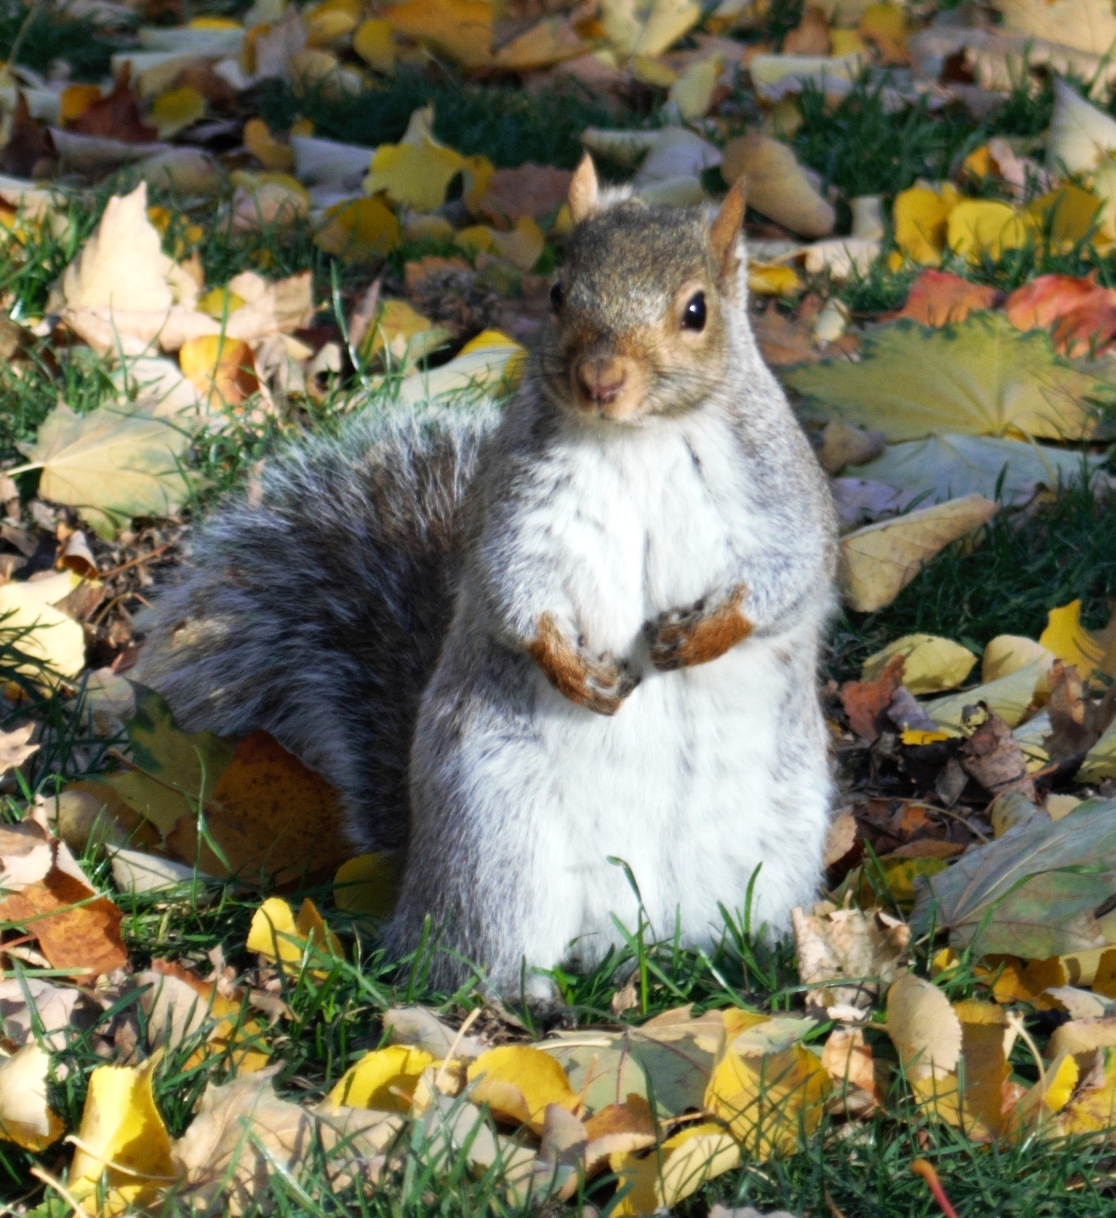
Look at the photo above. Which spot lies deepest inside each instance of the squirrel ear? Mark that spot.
(584, 195)
(726, 224)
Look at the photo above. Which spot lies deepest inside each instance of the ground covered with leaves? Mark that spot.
(222, 229)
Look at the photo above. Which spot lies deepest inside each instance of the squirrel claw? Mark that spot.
(600, 684)
(697, 633)
(607, 684)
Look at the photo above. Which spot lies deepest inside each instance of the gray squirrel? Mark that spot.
(587, 629)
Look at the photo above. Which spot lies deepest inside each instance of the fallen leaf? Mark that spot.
(778, 187)
(26, 1117)
(289, 941)
(1080, 136)
(29, 151)
(810, 36)
(685, 1162)
(384, 1079)
(923, 1027)
(221, 369)
(367, 886)
(421, 1028)
(848, 1059)
(945, 466)
(528, 190)
(373, 42)
(242, 1134)
(116, 115)
(122, 1145)
(517, 1082)
(32, 1011)
(271, 153)
(1088, 25)
(885, 27)
(418, 174)
(551, 41)
(461, 29)
(995, 759)
(982, 377)
(920, 217)
(1009, 696)
(359, 230)
(770, 1101)
(1008, 653)
(177, 109)
(862, 949)
(1032, 892)
(866, 702)
(938, 298)
(931, 664)
(879, 560)
(1065, 638)
(53, 642)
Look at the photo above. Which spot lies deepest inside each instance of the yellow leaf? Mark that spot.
(41, 632)
(318, 71)
(373, 43)
(270, 152)
(222, 369)
(75, 100)
(521, 247)
(418, 175)
(693, 90)
(667, 21)
(517, 1082)
(684, 1163)
(845, 42)
(916, 736)
(649, 71)
(359, 230)
(551, 41)
(1066, 215)
(1070, 641)
(771, 1100)
(1010, 697)
(984, 228)
(932, 664)
(384, 1079)
(220, 302)
(886, 26)
(123, 1138)
(277, 934)
(1008, 653)
(1093, 1106)
(879, 560)
(176, 110)
(25, 1117)
(367, 886)
(773, 279)
(405, 335)
(920, 217)
(461, 29)
(1025, 980)
(329, 21)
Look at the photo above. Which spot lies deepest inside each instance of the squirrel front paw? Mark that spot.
(699, 633)
(599, 683)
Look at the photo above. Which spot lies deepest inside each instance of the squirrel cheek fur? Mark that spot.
(523, 644)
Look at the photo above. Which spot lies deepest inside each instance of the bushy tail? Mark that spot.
(315, 610)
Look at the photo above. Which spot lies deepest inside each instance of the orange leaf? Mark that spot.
(1089, 329)
(219, 367)
(938, 298)
(1041, 302)
(76, 929)
(268, 813)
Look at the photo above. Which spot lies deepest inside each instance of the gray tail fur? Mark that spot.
(316, 610)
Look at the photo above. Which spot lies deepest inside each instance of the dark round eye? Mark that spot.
(556, 297)
(694, 316)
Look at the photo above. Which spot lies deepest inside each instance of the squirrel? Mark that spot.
(527, 646)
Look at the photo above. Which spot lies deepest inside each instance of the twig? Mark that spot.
(56, 1184)
(133, 562)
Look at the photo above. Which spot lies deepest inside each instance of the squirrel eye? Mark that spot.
(694, 316)
(556, 296)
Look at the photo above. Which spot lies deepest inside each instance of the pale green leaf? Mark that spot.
(982, 377)
(110, 466)
(1031, 893)
(942, 467)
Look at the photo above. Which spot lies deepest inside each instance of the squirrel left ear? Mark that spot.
(726, 226)
(584, 194)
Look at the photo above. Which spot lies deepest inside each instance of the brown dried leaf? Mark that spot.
(866, 702)
(862, 949)
(117, 115)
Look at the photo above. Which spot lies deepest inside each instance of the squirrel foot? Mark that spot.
(599, 683)
(699, 633)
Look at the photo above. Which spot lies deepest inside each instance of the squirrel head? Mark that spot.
(642, 311)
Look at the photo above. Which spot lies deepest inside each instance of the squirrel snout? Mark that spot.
(600, 379)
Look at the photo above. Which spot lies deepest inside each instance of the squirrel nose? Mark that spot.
(601, 379)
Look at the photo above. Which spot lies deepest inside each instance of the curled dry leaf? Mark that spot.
(923, 1027)
(34, 1011)
(930, 664)
(26, 1118)
(777, 185)
(853, 952)
(686, 1162)
(879, 560)
(848, 1059)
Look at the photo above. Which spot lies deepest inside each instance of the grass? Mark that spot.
(46, 37)
(506, 124)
